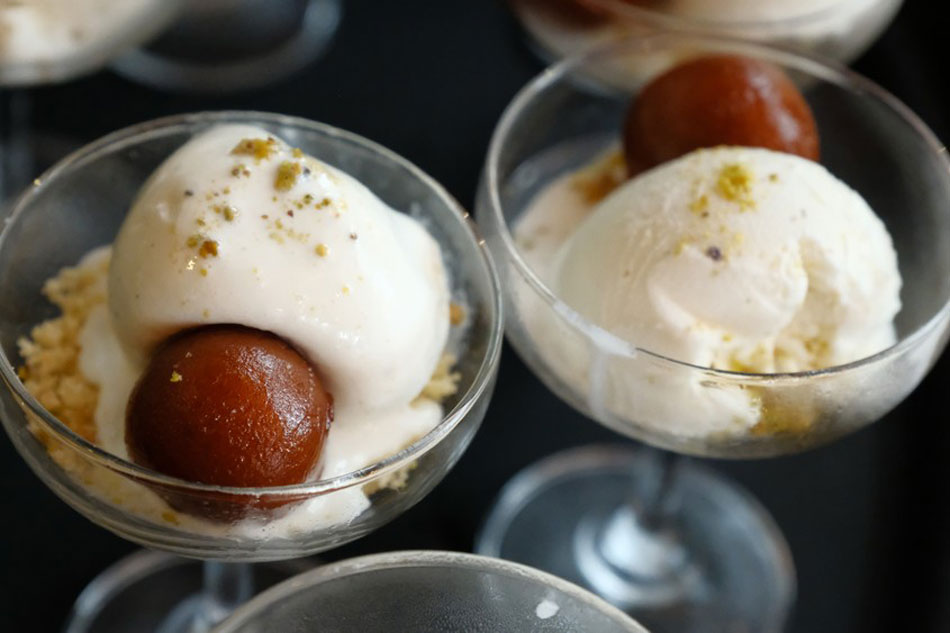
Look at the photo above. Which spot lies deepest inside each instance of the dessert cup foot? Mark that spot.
(154, 591)
(708, 558)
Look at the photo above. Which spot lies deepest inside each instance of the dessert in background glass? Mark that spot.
(838, 29)
(219, 46)
(91, 192)
(50, 41)
(427, 592)
(678, 547)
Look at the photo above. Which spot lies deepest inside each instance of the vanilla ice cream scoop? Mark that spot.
(238, 227)
(739, 259)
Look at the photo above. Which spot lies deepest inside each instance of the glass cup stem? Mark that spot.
(225, 587)
(634, 555)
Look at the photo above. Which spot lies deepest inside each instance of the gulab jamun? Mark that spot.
(231, 406)
(717, 100)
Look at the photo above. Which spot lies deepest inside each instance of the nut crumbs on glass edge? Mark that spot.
(456, 313)
(598, 180)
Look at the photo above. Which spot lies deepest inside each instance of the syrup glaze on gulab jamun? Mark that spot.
(229, 405)
(717, 100)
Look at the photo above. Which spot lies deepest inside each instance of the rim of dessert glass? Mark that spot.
(130, 136)
(137, 30)
(813, 65)
(682, 22)
(246, 613)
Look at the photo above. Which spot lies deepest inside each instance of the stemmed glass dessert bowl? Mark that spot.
(78, 205)
(840, 30)
(667, 540)
(437, 592)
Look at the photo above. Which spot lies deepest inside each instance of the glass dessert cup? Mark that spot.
(427, 592)
(841, 31)
(19, 148)
(78, 205)
(231, 45)
(681, 549)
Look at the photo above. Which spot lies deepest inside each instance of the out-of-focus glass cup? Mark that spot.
(79, 205)
(837, 29)
(56, 41)
(222, 46)
(427, 592)
(640, 532)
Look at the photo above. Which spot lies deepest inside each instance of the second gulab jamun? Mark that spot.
(717, 100)
(231, 406)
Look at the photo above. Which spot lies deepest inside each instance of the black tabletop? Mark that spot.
(868, 519)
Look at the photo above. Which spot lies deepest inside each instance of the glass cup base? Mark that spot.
(709, 560)
(154, 591)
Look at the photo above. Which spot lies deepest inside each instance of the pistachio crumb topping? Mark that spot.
(297, 152)
(700, 206)
(735, 184)
(287, 174)
(208, 248)
(259, 148)
(176, 377)
(226, 211)
(240, 170)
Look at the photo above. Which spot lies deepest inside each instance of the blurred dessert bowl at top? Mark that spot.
(262, 319)
(44, 41)
(839, 29)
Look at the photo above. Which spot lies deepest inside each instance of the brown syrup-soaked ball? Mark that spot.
(717, 100)
(230, 406)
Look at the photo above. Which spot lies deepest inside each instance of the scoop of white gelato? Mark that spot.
(731, 258)
(740, 259)
(238, 227)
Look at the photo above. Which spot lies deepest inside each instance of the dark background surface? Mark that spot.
(868, 519)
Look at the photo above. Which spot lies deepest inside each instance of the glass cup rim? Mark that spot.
(685, 23)
(814, 65)
(128, 136)
(415, 559)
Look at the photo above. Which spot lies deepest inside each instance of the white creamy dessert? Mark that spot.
(738, 259)
(46, 32)
(237, 227)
